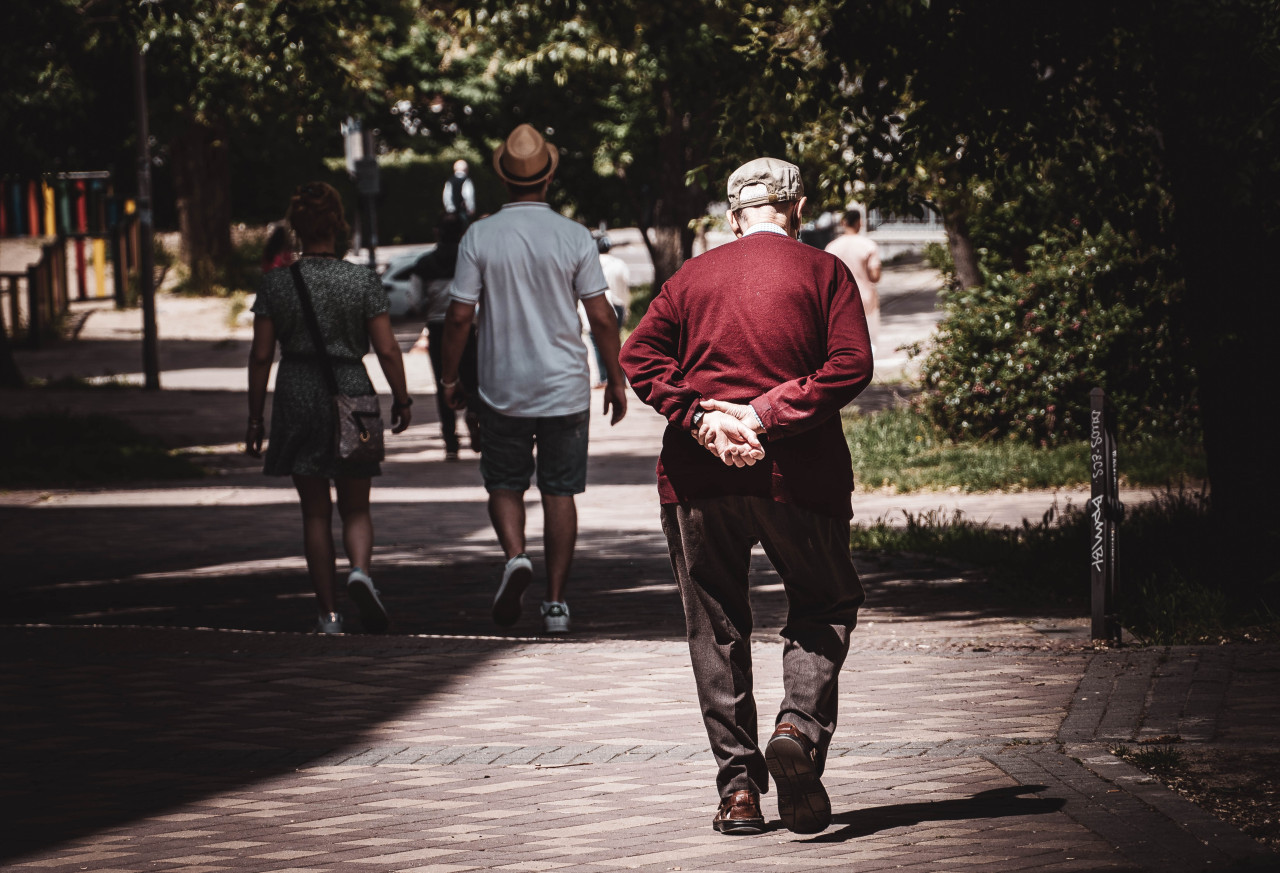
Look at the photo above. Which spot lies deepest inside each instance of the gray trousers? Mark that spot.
(710, 543)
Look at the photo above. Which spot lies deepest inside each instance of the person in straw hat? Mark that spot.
(750, 351)
(527, 266)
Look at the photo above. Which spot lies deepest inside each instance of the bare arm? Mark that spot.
(604, 327)
(873, 266)
(457, 327)
(391, 360)
(261, 353)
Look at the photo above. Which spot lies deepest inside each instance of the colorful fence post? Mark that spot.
(1104, 517)
(33, 211)
(82, 221)
(50, 216)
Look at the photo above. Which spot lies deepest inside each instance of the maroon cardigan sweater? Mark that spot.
(769, 321)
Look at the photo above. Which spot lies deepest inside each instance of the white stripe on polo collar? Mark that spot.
(764, 227)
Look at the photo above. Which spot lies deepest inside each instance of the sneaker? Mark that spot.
(373, 615)
(792, 760)
(451, 454)
(516, 577)
(555, 617)
(329, 623)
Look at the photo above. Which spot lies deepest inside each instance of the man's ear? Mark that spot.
(734, 225)
(796, 217)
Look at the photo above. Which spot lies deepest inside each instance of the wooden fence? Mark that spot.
(33, 301)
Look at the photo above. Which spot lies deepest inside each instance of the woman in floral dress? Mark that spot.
(351, 308)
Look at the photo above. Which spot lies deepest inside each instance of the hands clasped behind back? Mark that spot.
(729, 431)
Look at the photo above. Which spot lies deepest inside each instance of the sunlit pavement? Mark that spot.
(167, 708)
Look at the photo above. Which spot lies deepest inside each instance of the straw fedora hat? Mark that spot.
(525, 158)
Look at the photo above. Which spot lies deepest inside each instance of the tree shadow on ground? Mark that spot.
(105, 726)
(995, 803)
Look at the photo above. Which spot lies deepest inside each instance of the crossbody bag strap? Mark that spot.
(313, 326)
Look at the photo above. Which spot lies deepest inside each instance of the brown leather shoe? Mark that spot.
(792, 760)
(739, 813)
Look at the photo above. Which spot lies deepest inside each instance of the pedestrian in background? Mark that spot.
(750, 351)
(459, 194)
(861, 254)
(278, 249)
(617, 277)
(351, 309)
(434, 270)
(527, 266)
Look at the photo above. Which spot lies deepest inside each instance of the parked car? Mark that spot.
(397, 281)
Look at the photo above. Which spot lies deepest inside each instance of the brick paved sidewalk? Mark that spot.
(133, 749)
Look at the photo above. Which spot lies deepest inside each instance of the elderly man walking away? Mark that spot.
(750, 351)
(527, 267)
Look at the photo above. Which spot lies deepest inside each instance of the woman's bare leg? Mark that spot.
(357, 521)
(317, 536)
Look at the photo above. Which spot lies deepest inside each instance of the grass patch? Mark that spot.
(1169, 569)
(900, 449)
(1162, 761)
(57, 449)
(80, 383)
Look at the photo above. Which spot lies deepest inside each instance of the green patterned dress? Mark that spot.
(345, 297)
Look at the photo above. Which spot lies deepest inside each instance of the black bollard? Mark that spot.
(1104, 517)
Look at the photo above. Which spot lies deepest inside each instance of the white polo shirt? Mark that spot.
(528, 266)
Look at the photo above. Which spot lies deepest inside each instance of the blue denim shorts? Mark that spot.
(507, 448)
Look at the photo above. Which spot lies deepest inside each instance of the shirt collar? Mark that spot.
(765, 227)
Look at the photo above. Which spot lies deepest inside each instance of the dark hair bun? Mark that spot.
(315, 212)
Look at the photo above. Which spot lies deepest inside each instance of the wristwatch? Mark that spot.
(697, 418)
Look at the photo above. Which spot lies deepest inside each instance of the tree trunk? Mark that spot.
(676, 204)
(955, 218)
(10, 375)
(1226, 222)
(202, 179)
(664, 250)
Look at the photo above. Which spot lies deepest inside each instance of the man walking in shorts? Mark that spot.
(527, 267)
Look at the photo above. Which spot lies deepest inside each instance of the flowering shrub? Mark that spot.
(1016, 358)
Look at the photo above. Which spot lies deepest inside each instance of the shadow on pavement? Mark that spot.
(104, 726)
(996, 803)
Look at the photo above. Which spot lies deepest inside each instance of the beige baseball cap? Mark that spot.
(764, 180)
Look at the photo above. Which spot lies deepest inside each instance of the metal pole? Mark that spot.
(146, 255)
(368, 187)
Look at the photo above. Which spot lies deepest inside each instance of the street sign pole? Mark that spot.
(146, 234)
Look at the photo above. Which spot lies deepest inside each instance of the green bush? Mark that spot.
(1017, 357)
